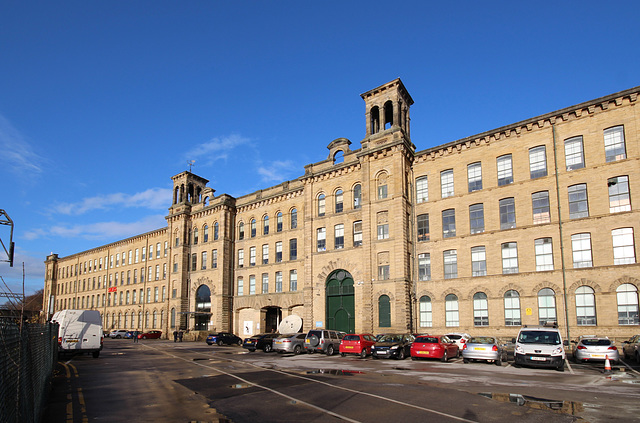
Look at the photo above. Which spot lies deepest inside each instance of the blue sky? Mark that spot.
(101, 102)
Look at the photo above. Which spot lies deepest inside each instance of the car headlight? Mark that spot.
(557, 351)
(519, 349)
(373, 347)
(395, 347)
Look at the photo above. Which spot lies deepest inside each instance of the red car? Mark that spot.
(434, 346)
(359, 344)
(152, 334)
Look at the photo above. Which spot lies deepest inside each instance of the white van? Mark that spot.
(539, 346)
(80, 331)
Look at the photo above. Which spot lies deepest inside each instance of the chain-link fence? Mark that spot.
(27, 360)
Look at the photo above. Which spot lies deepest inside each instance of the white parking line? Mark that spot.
(315, 381)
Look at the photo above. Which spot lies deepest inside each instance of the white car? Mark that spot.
(540, 346)
(459, 338)
(120, 333)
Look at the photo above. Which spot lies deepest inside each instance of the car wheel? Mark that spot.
(414, 358)
(239, 342)
(251, 349)
(330, 350)
(400, 355)
(267, 348)
(209, 343)
(297, 349)
(560, 367)
(220, 343)
(498, 361)
(96, 354)
(465, 360)
(375, 357)
(637, 357)
(363, 353)
(444, 357)
(118, 337)
(144, 337)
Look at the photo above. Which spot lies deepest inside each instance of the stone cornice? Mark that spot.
(273, 199)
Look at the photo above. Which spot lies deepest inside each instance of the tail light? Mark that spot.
(59, 341)
(464, 347)
(462, 340)
(613, 347)
(495, 348)
(286, 340)
(581, 347)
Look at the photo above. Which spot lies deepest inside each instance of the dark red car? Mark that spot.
(434, 346)
(359, 344)
(152, 334)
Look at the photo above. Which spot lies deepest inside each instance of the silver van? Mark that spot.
(539, 346)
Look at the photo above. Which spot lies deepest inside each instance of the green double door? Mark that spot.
(340, 302)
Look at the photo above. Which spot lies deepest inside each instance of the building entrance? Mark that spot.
(340, 302)
(272, 318)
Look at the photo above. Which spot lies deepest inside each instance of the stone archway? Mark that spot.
(340, 301)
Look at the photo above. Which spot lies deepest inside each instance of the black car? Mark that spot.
(263, 341)
(223, 338)
(392, 345)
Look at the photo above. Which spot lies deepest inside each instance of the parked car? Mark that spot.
(129, 334)
(359, 344)
(540, 346)
(434, 346)
(262, 341)
(152, 334)
(486, 348)
(392, 345)
(117, 334)
(459, 338)
(323, 340)
(595, 348)
(290, 343)
(631, 348)
(222, 338)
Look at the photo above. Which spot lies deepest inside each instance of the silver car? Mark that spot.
(595, 348)
(631, 348)
(486, 348)
(292, 343)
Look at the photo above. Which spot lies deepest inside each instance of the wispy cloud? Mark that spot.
(276, 171)
(216, 149)
(153, 198)
(99, 230)
(17, 155)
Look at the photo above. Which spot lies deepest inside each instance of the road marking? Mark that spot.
(315, 381)
(629, 367)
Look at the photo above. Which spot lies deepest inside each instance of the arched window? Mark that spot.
(173, 317)
(162, 318)
(338, 157)
(547, 306)
(279, 222)
(321, 205)
(422, 189)
(512, 308)
(452, 316)
(146, 320)
(384, 311)
(216, 231)
(374, 115)
(480, 309)
(627, 296)
(265, 225)
(205, 233)
(241, 230)
(382, 186)
(338, 202)
(203, 307)
(586, 306)
(155, 319)
(388, 114)
(357, 196)
(294, 219)
(426, 318)
(195, 236)
(253, 228)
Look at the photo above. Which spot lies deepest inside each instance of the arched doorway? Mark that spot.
(340, 302)
(203, 308)
(272, 318)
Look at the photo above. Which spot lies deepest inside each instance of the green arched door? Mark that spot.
(340, 302)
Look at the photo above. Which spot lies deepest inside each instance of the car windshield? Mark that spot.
(390, 338)
(539, 337)
(596, 342)
(427, 339)
(482, 340)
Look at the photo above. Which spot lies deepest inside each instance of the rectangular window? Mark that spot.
(450, 258)
(422, 190)
(241, 258)
(278, 281)
(293, 280)
(357, 196)
(544, 254)
(252, 256)
(448, 223)
(446, 183)
(194, 262)
(478, 261)
(424, 267)
(382, 190)
(581, 247)
(338, 236)
(476, 218)
(214, 259)
(294, 219)
(540, 204)
(265, 283)
(574, 153)
(614, 147)
(321, 236)
(252, 285)
(383, 231)
(357, 233)
(507, 213)
(293, 249)
(619, 199)
(383, 272)
(509, 258)
(278, 251)
(423, 227)
(623, 246)
(204, 260)
(474, 176)
(505, 170)
(265, 254)
(578, 203)
(538, 162)
(339, 201)
(240, 286)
